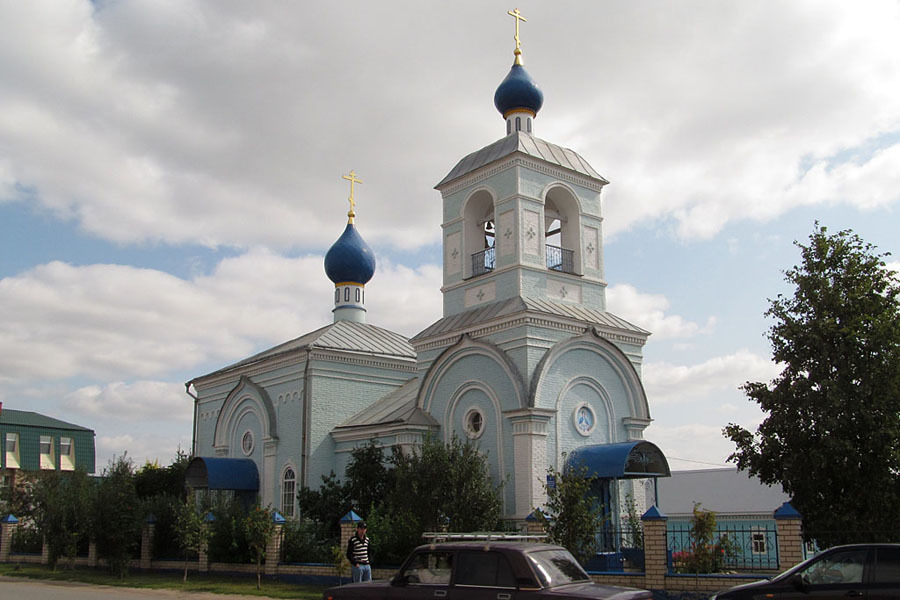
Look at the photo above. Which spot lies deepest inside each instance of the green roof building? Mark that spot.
(36, 442)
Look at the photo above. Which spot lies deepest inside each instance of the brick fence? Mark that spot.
(656, 574)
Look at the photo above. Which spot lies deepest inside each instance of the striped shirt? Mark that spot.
(358, 550)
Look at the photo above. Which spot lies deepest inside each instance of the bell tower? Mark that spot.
(521, 217)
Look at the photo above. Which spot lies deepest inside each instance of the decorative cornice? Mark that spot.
(549, 322)
(519, 160)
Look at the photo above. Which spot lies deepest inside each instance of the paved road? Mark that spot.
(15, 588)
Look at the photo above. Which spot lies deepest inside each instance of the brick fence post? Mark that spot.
(273, 547)
(8, 527)
(92, 553)
(45, 552)
(656, 563)
(147, 533)
(203, 558)
(790, 539)
(534, 524)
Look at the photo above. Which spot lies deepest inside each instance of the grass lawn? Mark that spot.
(216, 584)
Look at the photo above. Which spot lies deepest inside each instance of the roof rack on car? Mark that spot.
(489, 536)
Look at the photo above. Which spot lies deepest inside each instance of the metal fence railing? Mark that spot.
(483, 262)
(731, 548)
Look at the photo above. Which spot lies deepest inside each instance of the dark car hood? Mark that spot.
(746, 586)
(596, 590)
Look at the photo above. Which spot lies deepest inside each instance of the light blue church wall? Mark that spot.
(474, 375)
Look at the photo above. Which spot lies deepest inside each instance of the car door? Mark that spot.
(884, 582)
(482, 575)
(425, 576)
(836, 574)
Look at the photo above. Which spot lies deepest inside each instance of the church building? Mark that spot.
(526, 361)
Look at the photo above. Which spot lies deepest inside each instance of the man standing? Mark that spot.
(358, 554)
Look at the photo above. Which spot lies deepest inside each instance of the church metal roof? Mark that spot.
(347, 336)
(525, 143)
(511, 306)
(398, 406)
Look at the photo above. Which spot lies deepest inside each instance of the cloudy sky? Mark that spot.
(170, 179)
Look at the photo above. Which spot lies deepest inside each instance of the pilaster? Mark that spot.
(530, 429)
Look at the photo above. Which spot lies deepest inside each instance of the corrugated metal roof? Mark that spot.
(719, 490)
(10, 416)
(398, 406)
(514, 305)
(343, 335)
(525, 143)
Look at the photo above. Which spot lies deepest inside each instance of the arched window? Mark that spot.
(508, 127)
(346, 294)
(528, 123)
(357, 295)
(337, 295)
(518, 123)
(288, 492)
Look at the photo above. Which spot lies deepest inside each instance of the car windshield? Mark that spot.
(557, 567)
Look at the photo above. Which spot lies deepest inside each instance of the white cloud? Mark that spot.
(118, 323)
(649, 311)
(694, 446)
(687, 384)
(140, 448)
(139, 401)
(196, 121)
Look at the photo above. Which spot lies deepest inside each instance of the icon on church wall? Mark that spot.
(585, 419)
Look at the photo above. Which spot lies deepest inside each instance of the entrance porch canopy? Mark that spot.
(238, 474)
(638, 459)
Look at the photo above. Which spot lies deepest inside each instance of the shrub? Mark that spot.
(308, 541)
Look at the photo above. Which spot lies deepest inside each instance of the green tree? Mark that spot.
(445, 485)
(708, 553)
(327, 504)
(831, 437)
(117, 515)
(368, 478)
(574, 516)
(259, 527)
(191, 531)
(62, 512)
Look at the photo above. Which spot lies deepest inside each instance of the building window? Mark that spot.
(288, 492)
(758, 541)
(474, 423)
(337, 296)
(47, 461)
(518, 123)
(357, 295)
(66, 454)
(247, 443)
(12, 451)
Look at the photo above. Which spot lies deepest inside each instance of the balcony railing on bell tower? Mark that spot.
(483, 262)
(560, 259)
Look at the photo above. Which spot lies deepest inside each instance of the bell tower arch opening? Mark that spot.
(479, 228)
(562, 217)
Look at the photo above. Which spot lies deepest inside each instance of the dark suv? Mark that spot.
(864, 571)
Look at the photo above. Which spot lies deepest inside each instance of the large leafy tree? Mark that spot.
(831, 437)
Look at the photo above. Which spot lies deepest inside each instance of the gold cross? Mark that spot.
(518, 17)
(352, 179)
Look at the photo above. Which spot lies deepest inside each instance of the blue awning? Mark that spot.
(626, 460)
(222, 474)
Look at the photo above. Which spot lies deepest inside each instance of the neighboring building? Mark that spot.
(35, 442)
(526, 361)
(742, 504)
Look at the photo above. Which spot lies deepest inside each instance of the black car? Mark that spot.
(487, 570)
(864, 571)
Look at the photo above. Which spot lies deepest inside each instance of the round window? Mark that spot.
(585, 419)
(474, 423)
(247, 442)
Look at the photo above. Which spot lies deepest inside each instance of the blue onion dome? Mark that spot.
(350, 260)
(518, 91)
